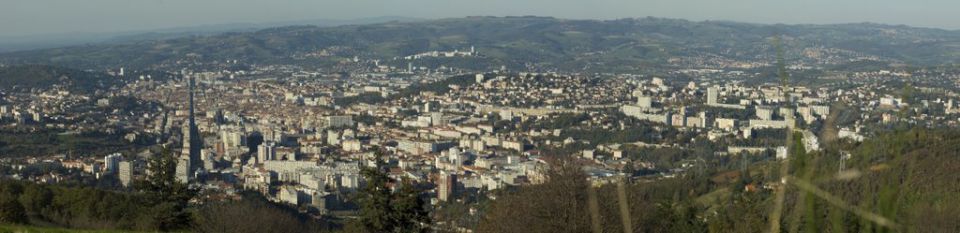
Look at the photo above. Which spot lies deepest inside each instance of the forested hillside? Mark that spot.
(517, 42)
(901, 181)
(43, 76)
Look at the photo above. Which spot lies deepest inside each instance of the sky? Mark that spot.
(39, 17)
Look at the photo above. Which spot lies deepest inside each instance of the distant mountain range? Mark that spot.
(525, 42)
(33, 42)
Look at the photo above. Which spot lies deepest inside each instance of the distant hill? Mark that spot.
(46, 41)
(523, 42)
(26, 77)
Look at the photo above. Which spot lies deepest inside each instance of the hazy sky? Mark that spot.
(31, 17)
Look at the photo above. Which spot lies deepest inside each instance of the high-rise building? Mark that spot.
(125, 173)
(339, 121)
(219, 117)
(183, 170)
(232, 139)
(36, 117)
(712, 95)
(111, 163)
(821, 110)
(645, 102)
(764, 113)
(436, 119)
(787, 113)
(266, 151)
(431, 106)
(209, 160)
(417, 147)
(456, 157)
(704, 121)
(446, 185)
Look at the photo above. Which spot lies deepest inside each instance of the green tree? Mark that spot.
(167, 198)
(35, 198)
(384, 211)
(557, 205)
(374, 201)
(252, 214)
(408, 212)
(11, 211)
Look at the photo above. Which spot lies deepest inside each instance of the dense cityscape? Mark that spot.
(313, 137)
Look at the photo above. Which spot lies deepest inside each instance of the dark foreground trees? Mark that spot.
(165, 197)
(908, 177)
(29, 203)
(160, 204)
(562, 204)
(558, 205)
(251, 214)
(383, 210)
(11, 211)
